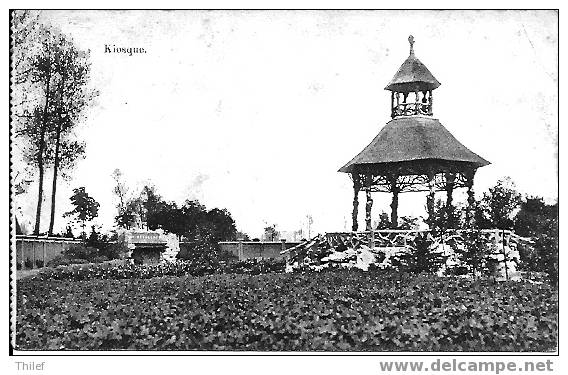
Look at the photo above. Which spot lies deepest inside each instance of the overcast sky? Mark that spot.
(254, 111)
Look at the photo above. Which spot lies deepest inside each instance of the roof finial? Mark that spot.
(411, 41)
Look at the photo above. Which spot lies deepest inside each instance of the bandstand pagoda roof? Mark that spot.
(411, 145)
(413, 76)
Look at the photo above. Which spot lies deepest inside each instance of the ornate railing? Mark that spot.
(411, 109)
(401, 238)
(502, 245)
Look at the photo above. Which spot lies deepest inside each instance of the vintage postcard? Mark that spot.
(284, 182)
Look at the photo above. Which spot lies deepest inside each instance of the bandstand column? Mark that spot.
(470, 212)
(431, 197)
(356, 189)
(450, 178)
(394, 204)
(369, 202)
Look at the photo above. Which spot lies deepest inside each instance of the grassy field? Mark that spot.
(328, 311)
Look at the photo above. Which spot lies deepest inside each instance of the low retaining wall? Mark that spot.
(257, 250)
(40, 249)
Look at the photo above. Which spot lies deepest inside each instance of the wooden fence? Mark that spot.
(36, 251)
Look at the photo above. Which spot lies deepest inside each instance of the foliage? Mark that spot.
(535, 217)
(498, 206)
(86, 208)
(207, 254)
(328, 311)
(107, 246)
(191, 221)
(474, 252)
(383, 222)
(420, 256)
(271, 233)
(539, 220)
(80, 251)
(62, 260)
(69, 232)
(125, 217)
(128, 270)
(242, 236)
(51, 91)
(445, 217)
(408, 222)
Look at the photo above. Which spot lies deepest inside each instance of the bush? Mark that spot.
(146, 271)
(28, 263)
(80, 251)
(331, 311)
(39, 263)
(61, 260)
(420, 256)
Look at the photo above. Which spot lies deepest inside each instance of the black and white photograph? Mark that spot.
(283, 182)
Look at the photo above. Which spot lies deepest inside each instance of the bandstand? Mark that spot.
(413, 152)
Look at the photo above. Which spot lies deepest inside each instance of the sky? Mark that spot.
(255, 111)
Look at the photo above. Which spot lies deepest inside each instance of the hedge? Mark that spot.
(128, 270)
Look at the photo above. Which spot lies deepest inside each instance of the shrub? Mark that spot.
(61, 260)
(147, 271)
(39, 263)
(420, 256)
(28, 263)
(80, 251)
(331, 311)
(474, 253)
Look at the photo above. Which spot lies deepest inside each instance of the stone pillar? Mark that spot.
(369, 202)
(240, 252)
(356, 188)
(430, 200)
(43, 253)
(394, 204)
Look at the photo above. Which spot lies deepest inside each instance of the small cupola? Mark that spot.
(411, 87)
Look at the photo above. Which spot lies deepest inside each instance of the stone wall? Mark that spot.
(257, 250)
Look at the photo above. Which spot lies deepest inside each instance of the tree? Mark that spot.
(445, 217)
(120, 190)
(242, 236)
(270, 233)
(72, 96)
(408, 222)
(50, 82)
(221, 225)
(539, 220)
(152, 204)
(86, 208)
(499, 205)
(420, 257)
(37, 118)
(125, 217)
(383, 222)
(535, 217)
(474, 251)
(24, 26)
(69, 232)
